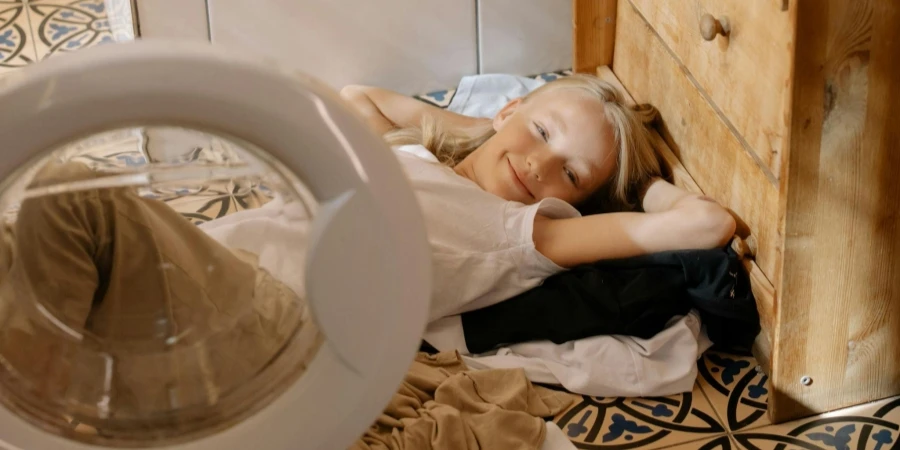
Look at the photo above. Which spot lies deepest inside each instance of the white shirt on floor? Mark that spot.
(482, 246)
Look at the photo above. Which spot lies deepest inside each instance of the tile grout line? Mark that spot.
(689, 441)
(726, 431)
(723, 422)
(25, 8)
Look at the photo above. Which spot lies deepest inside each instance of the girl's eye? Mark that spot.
(572, 176)
(542, 131)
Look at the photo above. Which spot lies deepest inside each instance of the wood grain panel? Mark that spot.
(762, 288)
(702, 142)
(593, 33)
(840, 321)
(747, 74)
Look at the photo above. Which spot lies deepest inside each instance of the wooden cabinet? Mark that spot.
(742, 64)
(787, 112)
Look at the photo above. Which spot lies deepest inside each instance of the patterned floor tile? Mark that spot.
(872, 426)
(736, 389)
(16, 47)
(647, 423)
(723, 442)
(61, 26)
(441, 99)
(550, 76)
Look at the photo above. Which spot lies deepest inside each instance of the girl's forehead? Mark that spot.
(573, 108)
(576, 115)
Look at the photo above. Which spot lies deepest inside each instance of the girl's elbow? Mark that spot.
(718, 225)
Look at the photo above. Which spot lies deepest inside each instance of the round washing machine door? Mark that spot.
(198, 251)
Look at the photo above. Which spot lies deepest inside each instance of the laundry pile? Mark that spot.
(622, 328)
(630, 327)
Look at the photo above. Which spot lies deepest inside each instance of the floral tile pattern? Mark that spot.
(737, 389)
(16, 46)
(872, 426)
(624, 423)
(124, 150)
(717, 443)
(61, 26)
(441, 99)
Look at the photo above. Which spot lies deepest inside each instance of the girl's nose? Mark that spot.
(539, 163)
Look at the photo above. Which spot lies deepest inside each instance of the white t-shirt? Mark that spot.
(482, 246)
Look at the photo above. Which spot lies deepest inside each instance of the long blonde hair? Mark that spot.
(636, 163)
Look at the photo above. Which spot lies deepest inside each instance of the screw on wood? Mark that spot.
(805, 380)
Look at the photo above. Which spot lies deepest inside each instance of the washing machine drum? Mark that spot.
(198, 250)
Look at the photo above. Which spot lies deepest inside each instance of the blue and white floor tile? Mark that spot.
(16, 46)
(550, 76)
(441, 99)
(647, 423)
(872, 426)
(717, 443)
(61, 26)
(736, 388)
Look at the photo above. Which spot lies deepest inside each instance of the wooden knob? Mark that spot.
(710, 27)
(745, 248)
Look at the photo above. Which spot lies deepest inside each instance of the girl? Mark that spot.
(509, 184)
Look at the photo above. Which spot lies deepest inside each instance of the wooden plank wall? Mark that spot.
(828, 232)
(839, 320)
(696, 133)
(593, 34)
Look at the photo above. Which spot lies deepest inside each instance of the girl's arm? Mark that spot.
(675, 220)
(386, 110)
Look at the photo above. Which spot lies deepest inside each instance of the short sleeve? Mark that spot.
(519, 221)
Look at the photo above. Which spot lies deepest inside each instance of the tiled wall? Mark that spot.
(524, 37)
(412, 46)
(405, 45)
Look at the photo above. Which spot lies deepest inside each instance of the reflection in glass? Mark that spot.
(151, 286)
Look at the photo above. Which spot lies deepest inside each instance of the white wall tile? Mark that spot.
(525, 36)
(412, 46)
(173, 19)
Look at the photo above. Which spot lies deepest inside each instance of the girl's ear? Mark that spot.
(504, 113)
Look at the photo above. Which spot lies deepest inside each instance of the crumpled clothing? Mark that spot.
(441, 405)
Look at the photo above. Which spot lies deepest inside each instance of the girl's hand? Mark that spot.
(697, 214)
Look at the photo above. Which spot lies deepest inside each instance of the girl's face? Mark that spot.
(558, 144)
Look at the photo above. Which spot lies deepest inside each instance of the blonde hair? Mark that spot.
(636, 162)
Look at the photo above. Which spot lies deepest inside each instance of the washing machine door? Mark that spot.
(252, 272)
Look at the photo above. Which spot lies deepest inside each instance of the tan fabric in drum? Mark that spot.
(138, 279)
